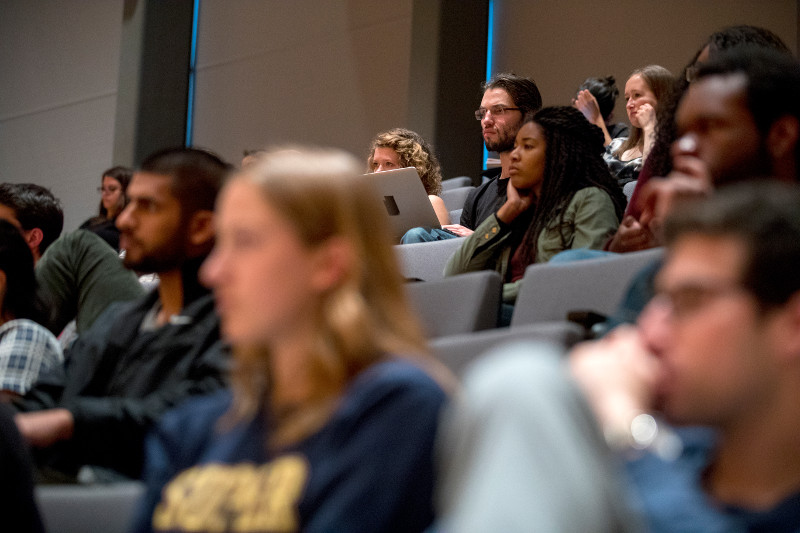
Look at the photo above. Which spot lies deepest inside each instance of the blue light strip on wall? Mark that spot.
(489, 50)
(192, 65)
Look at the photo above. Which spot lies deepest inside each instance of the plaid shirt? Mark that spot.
(26, 350)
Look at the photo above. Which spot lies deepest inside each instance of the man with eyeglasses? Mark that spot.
(506, 100)
(718, 346)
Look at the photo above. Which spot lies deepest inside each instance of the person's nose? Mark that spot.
(654, 324)
(124, 220)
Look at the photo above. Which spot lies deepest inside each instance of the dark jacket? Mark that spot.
(484, 200)
(117, 381)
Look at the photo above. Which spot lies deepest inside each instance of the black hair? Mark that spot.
(197, 176)
(573, 161)
(34, 207)
(16, 261)
(660, 160)
(765, 216)
(605, 91)
(523, 91)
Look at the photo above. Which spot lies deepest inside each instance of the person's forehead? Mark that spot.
(715, 94)
(695, 256)
(9, 214)
(151, 185)
(496, 96)
(385, 152)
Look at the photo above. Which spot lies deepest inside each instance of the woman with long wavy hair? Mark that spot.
(561, 196)
(645, 89)
(334, 402)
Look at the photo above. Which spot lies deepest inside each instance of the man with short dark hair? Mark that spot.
(35, 211)
(739, 119)
(142, 357)
(718, 346)
(507, 98)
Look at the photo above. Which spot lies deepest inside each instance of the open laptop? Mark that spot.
(405, 199)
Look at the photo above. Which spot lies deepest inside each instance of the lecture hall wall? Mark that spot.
(327, 72)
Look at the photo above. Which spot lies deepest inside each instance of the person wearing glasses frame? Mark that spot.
(113, 200)
(507, 98)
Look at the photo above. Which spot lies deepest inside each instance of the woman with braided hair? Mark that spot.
(561, 196)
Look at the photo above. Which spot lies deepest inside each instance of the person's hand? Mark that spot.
(458, 229)
(618, 375)
(660, 195)
(44, 428)
(586, 103)
(632, 236)
(515, 205)
(646, 115)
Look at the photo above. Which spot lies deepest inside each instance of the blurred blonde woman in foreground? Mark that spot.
(330, 421)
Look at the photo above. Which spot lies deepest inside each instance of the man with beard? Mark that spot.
(739, 119)
(142, 357)
(507, 98)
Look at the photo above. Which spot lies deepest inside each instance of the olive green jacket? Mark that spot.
(590, 219)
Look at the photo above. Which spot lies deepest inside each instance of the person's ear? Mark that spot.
(787, 329)
(34, 238)
(333, 262)
(783, 137)
(201, 228)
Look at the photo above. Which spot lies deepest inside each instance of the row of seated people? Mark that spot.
(327, 406)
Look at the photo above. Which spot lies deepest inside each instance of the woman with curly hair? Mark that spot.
(402, 148)
(561, 196)
(334, 403)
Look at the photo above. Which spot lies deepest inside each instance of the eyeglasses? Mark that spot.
(495, 110)
(107, 190)
(689, 298)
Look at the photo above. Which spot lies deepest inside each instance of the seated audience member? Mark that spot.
(718, 346)
(139, 358)
(737, 120)
(560, 196)
(35, 211)
(113, 199)
(596, 99)
(519, 450)
(17, 500)
(402, 148)
(331, 419)
(78, 277)
(507, 98)
(632, 234)
(643, 91)
(26, 348)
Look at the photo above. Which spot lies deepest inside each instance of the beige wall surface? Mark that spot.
(559, 43)
(59, 62)
(324, 72)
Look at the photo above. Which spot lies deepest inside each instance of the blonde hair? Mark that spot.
(360, 320)
(413, 151)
